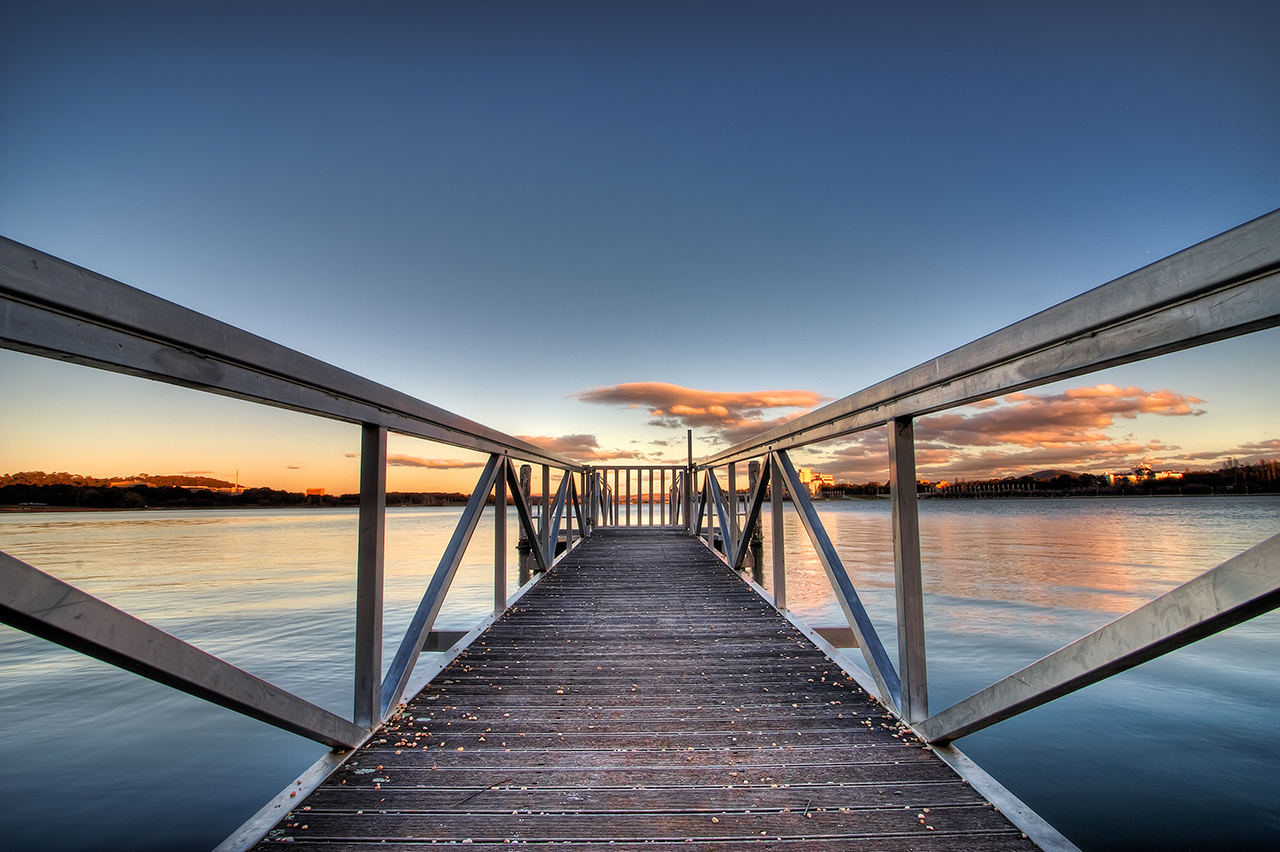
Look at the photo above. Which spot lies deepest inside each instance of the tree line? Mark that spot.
(77, 492)
(1262, 477)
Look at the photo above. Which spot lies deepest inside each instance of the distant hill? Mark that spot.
(1041, 475)
(39, 477)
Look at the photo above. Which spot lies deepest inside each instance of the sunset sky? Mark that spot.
(601, 224)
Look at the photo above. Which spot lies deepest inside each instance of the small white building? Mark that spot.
(814, 480)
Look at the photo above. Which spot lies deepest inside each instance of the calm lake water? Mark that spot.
(1181, 753)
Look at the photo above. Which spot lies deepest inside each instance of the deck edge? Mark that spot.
(1026, 820)
(255, 828)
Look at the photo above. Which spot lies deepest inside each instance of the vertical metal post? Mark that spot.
(662, 486)
(778, 543)
(568, 511)
(617, 496)
(711, 514)
(686, 510)
(370, 551)
(545, 514)
(650, 496)
(593, 486)
(906, 570)
(629, 497)
(688, 491)
(731, 544)
(500, 541)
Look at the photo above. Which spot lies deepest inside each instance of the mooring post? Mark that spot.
(370, 550)
(908, 585)
(731, 545)
(778, 545)
(500, 541)
(524, 549)
(757, 531)
(544, 515)
(688, 489)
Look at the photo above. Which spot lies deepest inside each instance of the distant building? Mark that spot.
(1142, 473)
(315, 492)
(814, 480)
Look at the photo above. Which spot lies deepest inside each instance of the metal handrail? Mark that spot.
(1220, 288)
(55, 309)
(613, 507)
(1224, 287)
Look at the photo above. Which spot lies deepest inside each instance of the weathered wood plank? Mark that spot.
(508, 797)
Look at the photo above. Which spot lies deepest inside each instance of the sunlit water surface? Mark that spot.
(1180, 753)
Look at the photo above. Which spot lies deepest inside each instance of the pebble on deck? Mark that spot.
(642, 694)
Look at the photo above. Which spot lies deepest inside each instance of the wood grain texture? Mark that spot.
(643, 695)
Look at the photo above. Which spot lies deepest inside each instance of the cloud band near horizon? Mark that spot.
(730, 416)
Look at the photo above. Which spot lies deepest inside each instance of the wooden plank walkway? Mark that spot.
(643, 695)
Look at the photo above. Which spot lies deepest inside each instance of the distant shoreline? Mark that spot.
(253, 507)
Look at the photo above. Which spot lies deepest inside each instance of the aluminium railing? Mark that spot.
(54, 309)
(1224, 287)
(613, 484)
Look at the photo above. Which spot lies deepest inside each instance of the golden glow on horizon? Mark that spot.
(64, 417)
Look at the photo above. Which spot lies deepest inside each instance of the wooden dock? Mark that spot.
(643, 695)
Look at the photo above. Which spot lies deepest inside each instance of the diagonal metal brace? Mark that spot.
(517, 496)
(717, 499)
(425, 616)
(873, 651)
(1241, 588)
(45, 606)
(755, 502)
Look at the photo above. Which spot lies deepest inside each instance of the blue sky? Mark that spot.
(511, 209)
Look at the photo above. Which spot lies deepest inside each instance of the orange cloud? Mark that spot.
(431, 464)
(581, 447)
(731, 415)
(1076, 416)
(1021, 433)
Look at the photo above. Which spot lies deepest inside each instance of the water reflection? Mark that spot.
(1005, 583)
(1164, 756)
(1101, 556)
(271, 591)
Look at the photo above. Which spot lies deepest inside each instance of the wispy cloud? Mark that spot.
(730, 416)
(581, 447)
(431, 464)
(1247, 452)
(1021, 433)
